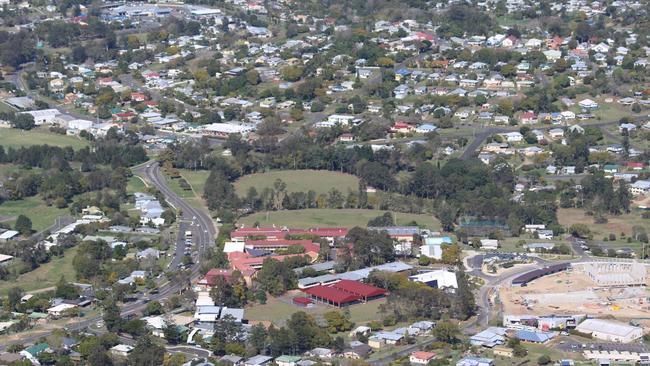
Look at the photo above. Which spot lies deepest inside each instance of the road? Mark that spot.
(203, 233)
(480, 137)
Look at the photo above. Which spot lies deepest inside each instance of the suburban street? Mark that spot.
(203, 233)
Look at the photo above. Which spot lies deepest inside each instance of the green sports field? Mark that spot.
(10, 137)
(320, 181)
(332, 218)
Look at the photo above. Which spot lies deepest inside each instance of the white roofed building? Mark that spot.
(609, 330)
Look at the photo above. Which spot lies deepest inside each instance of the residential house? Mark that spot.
(556, 133)
(491, 337)
(31, 353)
(357, 351)
(320, 352)
(640, 187)
(421, 357)
(286, 360)
(588, 104)
(121, 350)
(475, 361)
(385, 338)
(258, 360)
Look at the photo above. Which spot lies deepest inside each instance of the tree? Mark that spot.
(451, 254)
(381, 221)
(23, 121)
(112, 317)
(276, 277)
(13, 298)
(580, 230)
(465, 304)
(146, 353)
(446, 332)
(23, 225)
(543, 360)
(369, 248)
(153, 308)
(66, 290)
(171, 333)
(337, 322)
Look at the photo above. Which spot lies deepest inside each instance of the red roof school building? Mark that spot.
(345, 292)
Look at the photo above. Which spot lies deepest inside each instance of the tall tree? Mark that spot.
(146, 353)
(23, 225)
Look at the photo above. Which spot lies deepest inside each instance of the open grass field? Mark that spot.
(614, 224)
(135, 184)
(320, 181)
(44, 276)
(332, 217)
(278, 310)
(10, 137)
(42, 216)
(196, 178)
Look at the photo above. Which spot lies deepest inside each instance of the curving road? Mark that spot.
(203, 233)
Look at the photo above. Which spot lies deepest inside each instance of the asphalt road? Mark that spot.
(203, 233)
(480, 137)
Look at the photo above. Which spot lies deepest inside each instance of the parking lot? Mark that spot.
(572, 346)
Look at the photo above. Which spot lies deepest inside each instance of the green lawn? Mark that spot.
(331, 217)
(278, 311)
(174, 186)
(135, 184)
(10, 137)
(44, 276)
(42, 216)
(196, 178)
(320, 181)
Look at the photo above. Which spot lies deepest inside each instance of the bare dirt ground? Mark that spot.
(575, 293)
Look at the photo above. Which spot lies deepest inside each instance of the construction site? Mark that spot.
(593, 288)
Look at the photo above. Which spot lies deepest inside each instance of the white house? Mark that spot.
(640, 187)
(59, 310)
(121, 350)
(342, 119)
(513, 137)
(588, 104)
(43, 116)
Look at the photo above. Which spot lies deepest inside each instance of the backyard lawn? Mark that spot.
(320, 181)
(331, 217)
(10, 137)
